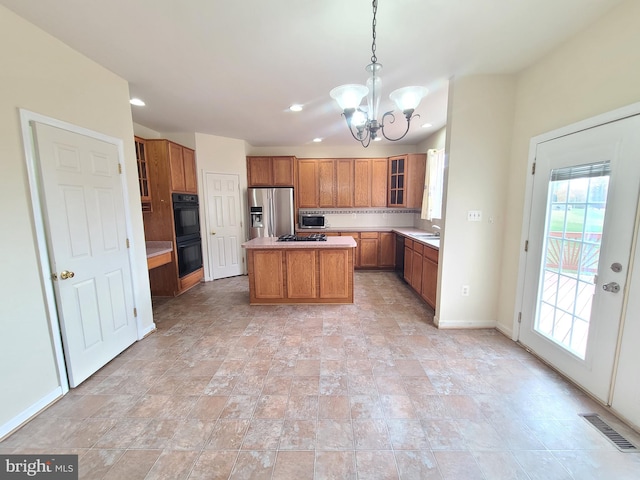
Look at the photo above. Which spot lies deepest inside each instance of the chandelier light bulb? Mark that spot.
(349, 96)
(408, 98)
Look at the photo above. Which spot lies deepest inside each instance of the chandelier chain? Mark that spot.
(374, 59)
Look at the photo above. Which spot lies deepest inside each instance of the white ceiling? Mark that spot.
(232, 68)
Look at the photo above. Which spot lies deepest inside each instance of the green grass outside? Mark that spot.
(575, 219)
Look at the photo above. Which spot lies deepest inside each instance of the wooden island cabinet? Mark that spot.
(300, 272)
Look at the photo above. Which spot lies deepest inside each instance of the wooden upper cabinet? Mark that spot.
(326, 183)
(190, 172)
(370, 182)
(307, 188)
(379, 182)
(283, 171)
(362, 182)
(406, 180)
(182, 165)
(344, 182)
(176, 164)
(270, 171)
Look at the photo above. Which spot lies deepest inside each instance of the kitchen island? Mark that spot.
(300, 272)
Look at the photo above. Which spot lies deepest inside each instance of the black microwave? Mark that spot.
(307, 220)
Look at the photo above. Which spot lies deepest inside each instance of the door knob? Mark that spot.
(66, 274)
(612, 287)
(213, 233)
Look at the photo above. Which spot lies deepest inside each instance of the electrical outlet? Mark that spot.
(474, 216)
(464, 291)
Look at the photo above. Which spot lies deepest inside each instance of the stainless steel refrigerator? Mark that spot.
(271, 212)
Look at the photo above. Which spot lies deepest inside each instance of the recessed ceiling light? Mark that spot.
(137, 102)
(426, 125)
(296, 107)
(377, 139)
(317, 140)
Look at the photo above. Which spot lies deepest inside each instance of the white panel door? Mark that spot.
(582, 222)
(224, 225)
(86, 235)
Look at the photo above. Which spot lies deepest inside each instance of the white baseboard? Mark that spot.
(444, 324)
(506, 331)
(25, 415)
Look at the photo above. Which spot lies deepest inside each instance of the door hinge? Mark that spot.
(128, 245)
(526, 245)
(533, 168)
(519, 317)
(135, 312)
(120, 168)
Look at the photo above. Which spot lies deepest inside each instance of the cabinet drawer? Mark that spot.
(431, 254)
(369, 235)
(418, 247)
(408, 243)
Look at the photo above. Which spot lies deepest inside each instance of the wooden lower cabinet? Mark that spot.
(408, 260)
(429, 279)
(421, 270)
(335, 274)
(300, 275)
(387, 258)
(268, 278)
(369, 247)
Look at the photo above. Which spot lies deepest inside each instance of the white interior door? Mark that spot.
(224, 225)
(84, 212)
(585, 194)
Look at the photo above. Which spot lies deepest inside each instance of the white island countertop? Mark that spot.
(273, 243)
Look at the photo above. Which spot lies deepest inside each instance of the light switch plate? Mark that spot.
(474, 216)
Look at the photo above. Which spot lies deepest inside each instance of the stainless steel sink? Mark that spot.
(426, 236)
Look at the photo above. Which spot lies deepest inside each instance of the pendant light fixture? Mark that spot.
(363, 123)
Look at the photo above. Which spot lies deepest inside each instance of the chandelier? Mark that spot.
(363, 123)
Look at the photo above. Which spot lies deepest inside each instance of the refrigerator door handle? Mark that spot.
(272, 213)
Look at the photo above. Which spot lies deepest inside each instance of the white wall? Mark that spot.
(478, 141)
(596, 71)
(42, 75)
(220, 155)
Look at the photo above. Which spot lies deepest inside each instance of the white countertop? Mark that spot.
(273, 243)
(155, 248)
(413, 233)
(406, 231)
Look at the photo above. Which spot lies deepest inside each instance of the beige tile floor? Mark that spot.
(369, 391)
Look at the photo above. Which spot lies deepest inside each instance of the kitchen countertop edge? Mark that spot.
(273, 243)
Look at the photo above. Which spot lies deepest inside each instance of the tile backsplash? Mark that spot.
(366, 217)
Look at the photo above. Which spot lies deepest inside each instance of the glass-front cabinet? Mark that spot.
(397, 181)
(143, 174)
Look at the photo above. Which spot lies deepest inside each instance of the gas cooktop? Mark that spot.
(314, 237)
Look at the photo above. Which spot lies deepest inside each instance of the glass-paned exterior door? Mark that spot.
(573, 232)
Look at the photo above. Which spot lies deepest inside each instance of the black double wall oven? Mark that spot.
(187, 224)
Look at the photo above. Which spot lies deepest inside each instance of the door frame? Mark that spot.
(204, 220)
(598, 120)
(38, 215)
